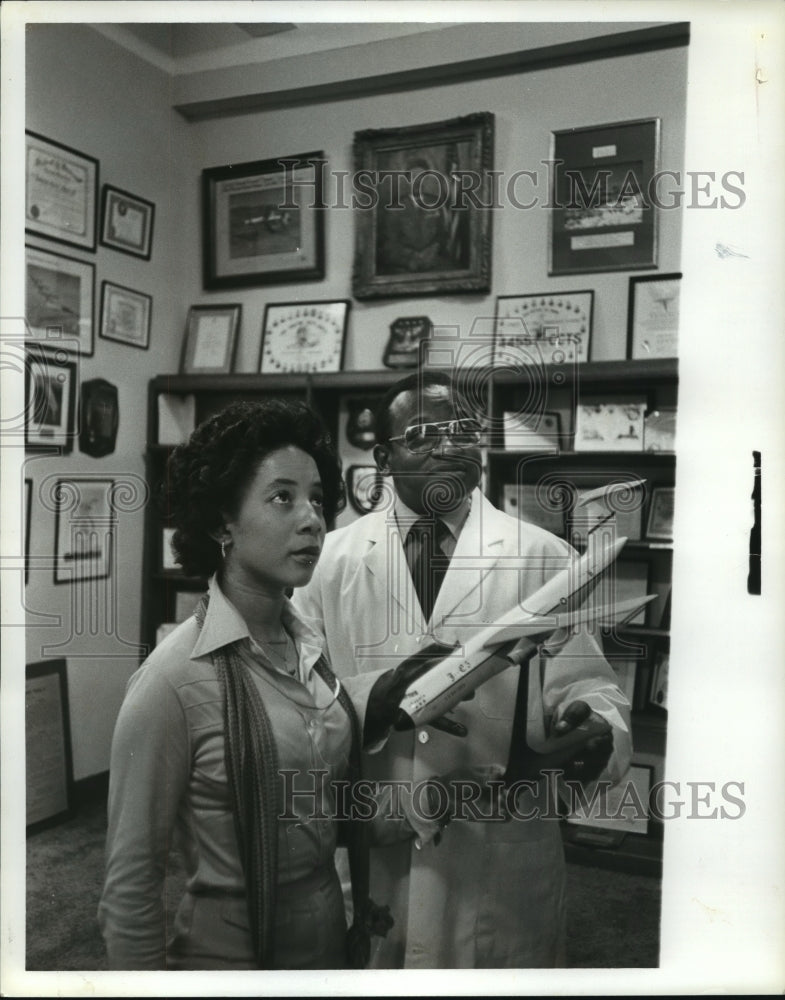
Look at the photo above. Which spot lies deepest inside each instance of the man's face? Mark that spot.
(440, 480)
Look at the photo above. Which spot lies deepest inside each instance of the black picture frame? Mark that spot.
(119, 232)
(60, 301)
(422, 238)
(304, 337)
(126, 315)
(50, 401)
(65, 214)
(647, 335)
(28, 515)
(49, 776)
(602, 218)
(263, 222)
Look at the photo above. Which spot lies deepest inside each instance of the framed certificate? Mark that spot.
(48, 766)
(303, 336)
(61, 191)
(210, 339)
(550, 327)
(653, 316)
(127, 222)
(50, 394)
(125, 315)
(84, 524)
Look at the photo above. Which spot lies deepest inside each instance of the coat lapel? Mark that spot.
(388, 575)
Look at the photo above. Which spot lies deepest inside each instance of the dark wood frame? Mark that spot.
(312, 268)
(475, 276)
(58, 668)
(105, 285)
(91, 163)
(145, 249)
(575, 151)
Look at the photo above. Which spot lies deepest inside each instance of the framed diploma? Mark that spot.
(125, 315)
(653, 316)
(61, 192)
(127, 222)
(551, 327)
(602, 217)
(263, 222)
(303, 336)
(48, 766)
(84, 526)
(210, 339)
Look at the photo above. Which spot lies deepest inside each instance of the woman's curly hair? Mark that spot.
(209, 474)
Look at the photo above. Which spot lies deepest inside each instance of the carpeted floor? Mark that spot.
(613, 918)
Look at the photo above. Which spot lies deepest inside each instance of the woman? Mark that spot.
(236, 697)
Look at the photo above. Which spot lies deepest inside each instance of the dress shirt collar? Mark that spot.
(454, 520)
(223, 625)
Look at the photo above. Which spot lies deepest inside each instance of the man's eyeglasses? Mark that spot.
(420, 439)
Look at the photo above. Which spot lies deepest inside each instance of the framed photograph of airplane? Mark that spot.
(263, 222)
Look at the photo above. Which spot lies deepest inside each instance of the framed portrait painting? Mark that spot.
(263, 222)
(417, 232)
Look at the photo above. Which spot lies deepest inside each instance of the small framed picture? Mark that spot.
(531, 431)
(602, 218)
(49, 778)
(211, 339)
(263, 222)
(60, 298)
(659, 681)
(598, 510)
(659, 525)
(84, 525)
(304, 336)
(50, 400)
(609, 426)
(363, 484)
(127, 222)
(659, 430)
(653, 316)
(28, 521)
(61, 192)
(126, 315)
(549, 328)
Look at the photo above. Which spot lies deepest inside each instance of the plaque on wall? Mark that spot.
(403, 347)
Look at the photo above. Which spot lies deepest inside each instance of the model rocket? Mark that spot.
(548, 616)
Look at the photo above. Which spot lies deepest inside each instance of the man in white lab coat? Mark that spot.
(483, 894)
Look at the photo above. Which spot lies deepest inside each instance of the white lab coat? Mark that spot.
(489, 895)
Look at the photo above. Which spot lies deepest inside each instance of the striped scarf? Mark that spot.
(255, 791)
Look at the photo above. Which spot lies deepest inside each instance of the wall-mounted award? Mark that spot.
(403, 347)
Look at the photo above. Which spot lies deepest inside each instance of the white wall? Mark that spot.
(90, 94)
(528, 107)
